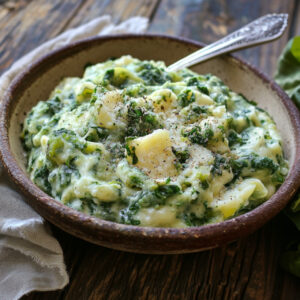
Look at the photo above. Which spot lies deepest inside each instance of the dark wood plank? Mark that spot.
(246, 269)
(119, 10)
(30, 25)
(207, 21)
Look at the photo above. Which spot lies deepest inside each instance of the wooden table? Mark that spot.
(246, 269)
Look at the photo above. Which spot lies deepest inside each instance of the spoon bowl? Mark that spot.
(262, 30)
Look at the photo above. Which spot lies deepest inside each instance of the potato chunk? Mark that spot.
(83, 90)
(163, 100)
(159, 217)
(107, 111)
(202, 99)
(232, 200)
(154, 154)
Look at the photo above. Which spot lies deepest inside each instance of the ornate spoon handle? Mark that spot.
(262, 30)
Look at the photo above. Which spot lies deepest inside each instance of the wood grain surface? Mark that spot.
(246, 269)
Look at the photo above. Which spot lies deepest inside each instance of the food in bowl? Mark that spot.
(133, 143)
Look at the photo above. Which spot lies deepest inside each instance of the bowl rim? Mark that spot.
(247, 222)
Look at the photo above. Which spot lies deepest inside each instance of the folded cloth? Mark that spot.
(30, 257)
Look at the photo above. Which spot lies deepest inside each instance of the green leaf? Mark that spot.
(295, 49)
(294, 217)
(288, 77)
(295, 206)
(290, 259)
(288, 70)
(293, 211)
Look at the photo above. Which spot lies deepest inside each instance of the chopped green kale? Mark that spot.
(104, 211)
(220, 163)
(131, 151)
(181, 155)
(70, 137)
(191, 219)
(117, 79)
(255, 162)
(186, 97)
(140, 121)
(127, 214)
(199, 136)
(234, 138)
(153, 75)
(146, 199)
(41, 178)
(54, 105)
(97, 134)
(199, 82)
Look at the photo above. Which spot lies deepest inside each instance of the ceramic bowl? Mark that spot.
(37, 81)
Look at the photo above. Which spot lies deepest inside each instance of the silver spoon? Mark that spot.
(262, 30)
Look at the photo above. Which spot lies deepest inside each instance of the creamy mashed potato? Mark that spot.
(132, 143)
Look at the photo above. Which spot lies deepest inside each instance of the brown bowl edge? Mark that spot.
(114, 235)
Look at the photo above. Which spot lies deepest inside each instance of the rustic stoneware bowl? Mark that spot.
(39, 78)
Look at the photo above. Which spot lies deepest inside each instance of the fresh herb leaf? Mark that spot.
(199, 136)
(140, 121)
(186, 97)
(288, 70)
(290, 259)
(153, 75)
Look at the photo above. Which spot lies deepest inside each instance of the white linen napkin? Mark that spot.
(30, 257)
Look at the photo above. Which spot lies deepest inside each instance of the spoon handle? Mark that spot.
(261, 30)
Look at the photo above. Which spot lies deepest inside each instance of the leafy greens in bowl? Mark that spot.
(132, 143)
(38, 81)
